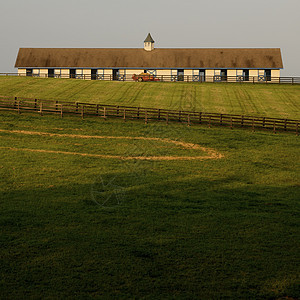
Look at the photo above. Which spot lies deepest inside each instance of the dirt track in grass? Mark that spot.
(212, 154)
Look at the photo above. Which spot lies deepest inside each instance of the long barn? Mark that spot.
(235, 64)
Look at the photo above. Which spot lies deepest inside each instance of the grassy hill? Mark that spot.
(259, 99)
(111, 209)
(74, 224)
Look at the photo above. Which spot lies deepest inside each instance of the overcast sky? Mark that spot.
(172, 23)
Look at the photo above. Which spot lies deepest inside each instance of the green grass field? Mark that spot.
(78, 226)
(274, 100)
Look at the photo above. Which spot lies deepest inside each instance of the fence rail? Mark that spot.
(146, 114)
(167, 78)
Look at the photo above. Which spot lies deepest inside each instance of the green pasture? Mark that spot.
(273, 100)
(84, 227)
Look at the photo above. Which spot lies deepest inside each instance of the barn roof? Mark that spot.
(159, 58)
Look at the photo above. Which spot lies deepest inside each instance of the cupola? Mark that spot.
(149, 43)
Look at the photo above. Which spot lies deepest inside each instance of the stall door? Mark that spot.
(180, 75)
(115, 74)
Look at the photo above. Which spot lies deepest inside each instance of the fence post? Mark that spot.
(158, 117)
(221, 119)
(76, 106)
(167, 118)
(253, 124)
(292, 80)
(242, 121)
(97, 110)
(35, 104)
(285, 121)
(15, 103)
(146, 117)
(189, 120)
(82, 112)
(41, 108)
(230, 122)
(61, 111)
(56, 102)
(104, 113)
(209, 121)
(297, 131)
(179, 117)
(138, 113)
(274, 127)
(124, 115)
(264, 121)
(19, 107)
(200, 118)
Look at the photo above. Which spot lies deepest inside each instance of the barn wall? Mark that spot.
(134, 71)
(253, 73)
(274, 76)
(232, 73)
(86, 71)
(163, 72)
(65, 73)
(22, 72)
(107, 72)
(188, 72)
(43, 72)
(122, 71)
(209, 74)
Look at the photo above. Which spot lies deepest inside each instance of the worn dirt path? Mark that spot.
(212, 154)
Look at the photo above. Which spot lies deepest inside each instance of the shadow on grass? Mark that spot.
(164, 239)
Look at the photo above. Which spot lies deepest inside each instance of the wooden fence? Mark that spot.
(170, 78)
(146, 115)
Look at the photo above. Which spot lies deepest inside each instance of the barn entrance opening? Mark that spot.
(72, 73)
(180, 74)
(246, 75)
(201, 75)
(223, 75)
(115, 74)
(268, 75)
(28, 72)
(93, 74)
(50, 73)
